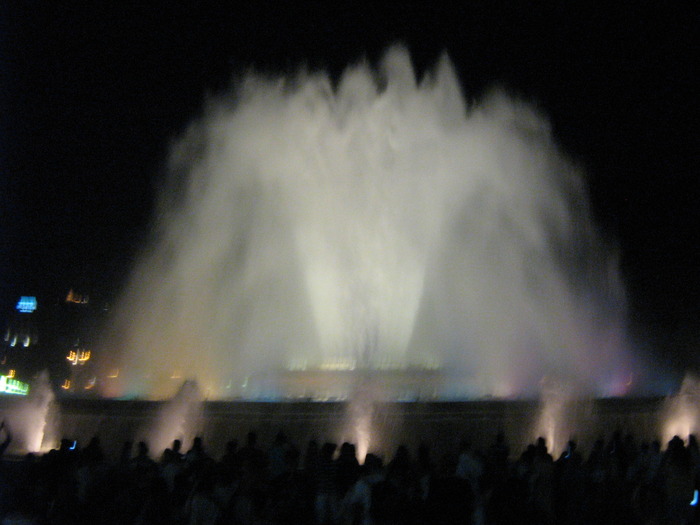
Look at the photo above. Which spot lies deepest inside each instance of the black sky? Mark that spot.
(91, 96)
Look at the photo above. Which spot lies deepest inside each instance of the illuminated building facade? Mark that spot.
(81, 376)
(74, 338)
(50, 333)
(20, 339)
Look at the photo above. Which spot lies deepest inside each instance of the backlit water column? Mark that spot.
(376, 222)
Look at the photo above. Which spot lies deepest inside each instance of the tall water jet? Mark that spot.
(313, 229)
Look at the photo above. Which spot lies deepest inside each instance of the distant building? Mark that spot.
(74, 336)
(20, 338)
(81, 376)
(56, 335)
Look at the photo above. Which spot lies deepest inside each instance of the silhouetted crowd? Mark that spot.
(620, 481)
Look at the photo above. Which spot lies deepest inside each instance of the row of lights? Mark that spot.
(78, 357)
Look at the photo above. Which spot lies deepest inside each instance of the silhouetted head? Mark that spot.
(142, 449)
(231, 446)
(347, 450)
(66, 445)
(251, 439)
(402, 455)
(676, 443)
(372, 464)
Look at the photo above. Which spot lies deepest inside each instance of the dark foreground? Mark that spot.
(621, 480)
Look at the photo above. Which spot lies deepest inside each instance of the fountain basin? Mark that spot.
(440, 424)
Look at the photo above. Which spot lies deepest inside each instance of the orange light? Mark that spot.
(11, 374)
(79, 357)
(66, 384)
(73, 297)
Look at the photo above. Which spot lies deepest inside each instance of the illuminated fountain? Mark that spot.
(29, 418)
(564, 415)
(179, 418)
(316, 231)
(681, 412)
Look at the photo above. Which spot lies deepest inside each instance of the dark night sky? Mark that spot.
(91, 97)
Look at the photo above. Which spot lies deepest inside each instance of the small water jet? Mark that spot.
(564, 415)
(30, 419)
(360, 411)
(681, 412)
(178, 418)
(373, 224)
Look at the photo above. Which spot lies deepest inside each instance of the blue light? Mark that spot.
(694, 503)
(26, 304)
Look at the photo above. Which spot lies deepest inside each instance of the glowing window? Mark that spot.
(26, 304)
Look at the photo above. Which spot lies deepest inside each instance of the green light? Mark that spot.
(9, 385)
